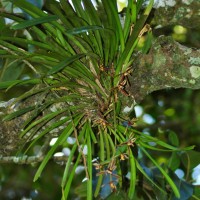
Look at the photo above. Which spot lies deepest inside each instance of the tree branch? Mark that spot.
(25, 159)
(167, 65)
(182, 12)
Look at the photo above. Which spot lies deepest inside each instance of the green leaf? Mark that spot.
(62, 138)
(11, 71)
(94, 19)
(68, 164)
(83, 29)
(18, 113)
(147, 146)
(26, 41)
(89, 166)
(147, 43)
(8, 46)
(111, 143)
(65, 63)
(102, 147)
(99, 185)
(173, 138)
(129, 13)
(71, 176)
(160, 142)
(131, 191)
(132, 41)
(169, 180)
(6, 84)
(46, 118)
(189, 159)
(107, 146)
(174, 161)
(94, 139)
(29, 8)
(139, 5)
(47, 130)
(35, 12)
(112, 6)
(146, 176)
(34, 22)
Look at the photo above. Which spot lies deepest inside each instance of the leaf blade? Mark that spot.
(64, 63)
(169, 180)
(33, 22)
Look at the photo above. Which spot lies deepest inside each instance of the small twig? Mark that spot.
(32, 159)
(21, 160)
(188, 166)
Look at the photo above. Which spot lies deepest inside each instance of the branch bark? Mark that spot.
(10, 141)
(182, 12)
(167, 65)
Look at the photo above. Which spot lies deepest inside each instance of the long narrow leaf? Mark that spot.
(134, 36)
(98, 185)
(105, 135)
(89, 166)
(66, 133)
(65, 63)
(26, 41)
(144, 173)
(18, 113)
(34, 22)
(169, 180)
(93, 137)
(161, 143)
(47, 130)
(94, 19)
(6, 84)
(102, 148)
(133, 175)
(72, 174)
(60, 140)
(115, 18)
(68, 164)
(83, 29)
(46, 118)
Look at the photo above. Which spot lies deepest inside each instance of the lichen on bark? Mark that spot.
(184, 13)
(9, 130)
(10, 139)
(167, 65)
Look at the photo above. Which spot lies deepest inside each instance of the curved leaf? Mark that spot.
(65, 63)
(83, 29)
(169, 180)
(33, 22)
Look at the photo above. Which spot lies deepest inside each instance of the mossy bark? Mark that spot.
(167, 65)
